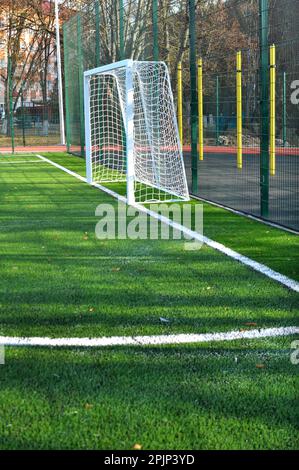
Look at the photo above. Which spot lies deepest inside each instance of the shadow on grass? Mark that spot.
(176, 398)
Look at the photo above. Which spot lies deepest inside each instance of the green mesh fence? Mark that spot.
(73, 90)
(101, 33)
(283, 187)
(30, 115)
(107, 31)
(224, 29)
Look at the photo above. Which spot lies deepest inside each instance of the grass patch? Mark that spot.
(161, 398)
(30, 140)
(59, 280)
(276, 248)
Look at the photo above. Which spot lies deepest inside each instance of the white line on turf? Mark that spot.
(21, 161)
(256, 266)
(19, 155)
(149, 340)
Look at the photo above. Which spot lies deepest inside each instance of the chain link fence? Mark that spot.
(29, 111)
(248, 125)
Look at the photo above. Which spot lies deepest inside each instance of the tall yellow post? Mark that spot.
(180, 102)
(239, 112)
(200, 109)
(272, 110)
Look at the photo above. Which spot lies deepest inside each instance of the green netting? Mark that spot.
(283, 188)
(101, 33)
(224, 29)
(30, 114)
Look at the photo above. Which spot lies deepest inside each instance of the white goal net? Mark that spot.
(131, 131)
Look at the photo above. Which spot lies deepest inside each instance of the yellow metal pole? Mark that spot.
(180, 102)
(239, 112)
(272, 110)
(200, 109)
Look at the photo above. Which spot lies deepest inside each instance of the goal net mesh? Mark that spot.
(159, 173)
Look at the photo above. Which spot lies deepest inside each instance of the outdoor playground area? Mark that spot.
(149, 221)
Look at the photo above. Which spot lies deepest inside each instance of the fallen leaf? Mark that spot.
(137, 447)
(260, 366)
(88, 406)
(251, 324)
(115, 270)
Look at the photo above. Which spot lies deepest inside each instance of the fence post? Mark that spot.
(81, 72)
(272, 110)
(10, 92)
(239, 112)
(121, 30)
(264, 107)
(66, 87)
(284, 110)
(155, 30)
(200, 109)
(217, 111)
(194, 103)
(180, 102)
(98, 33)
(23, 117)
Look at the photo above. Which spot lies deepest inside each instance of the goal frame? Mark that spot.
(128, 125)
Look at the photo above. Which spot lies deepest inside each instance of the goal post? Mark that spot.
(131, 131)
(129, 126)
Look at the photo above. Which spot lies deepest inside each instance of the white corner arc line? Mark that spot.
(255, 265)
(160, 340)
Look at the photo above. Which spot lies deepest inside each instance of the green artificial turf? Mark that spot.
(276, 248)
(241, 395)
(58, 280)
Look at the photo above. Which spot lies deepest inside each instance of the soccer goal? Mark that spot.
(131, 131)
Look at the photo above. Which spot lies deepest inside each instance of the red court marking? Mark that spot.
(208, 149)
(31, 149)
(246, 150)
(281, 151)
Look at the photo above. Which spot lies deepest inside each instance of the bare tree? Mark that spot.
(28, 33)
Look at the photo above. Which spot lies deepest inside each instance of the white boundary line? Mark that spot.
(148, 340)
(3, 156)
(21, 161)
(255, 265)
